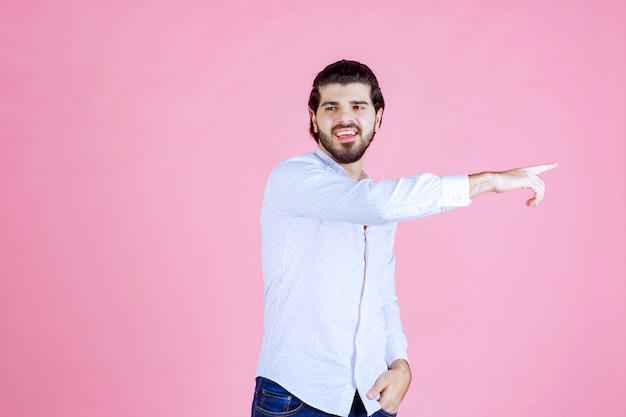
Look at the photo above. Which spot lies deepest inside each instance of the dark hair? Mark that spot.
(344, 72)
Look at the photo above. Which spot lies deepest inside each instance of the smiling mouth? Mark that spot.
(344, 135)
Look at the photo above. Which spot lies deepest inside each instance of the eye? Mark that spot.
(331, 108)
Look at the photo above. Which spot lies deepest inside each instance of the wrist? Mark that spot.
(402, 370)
(401, 365)
(483, 182)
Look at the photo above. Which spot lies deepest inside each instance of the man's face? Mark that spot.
(345, 120)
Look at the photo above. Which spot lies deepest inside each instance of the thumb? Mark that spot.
(378, 387)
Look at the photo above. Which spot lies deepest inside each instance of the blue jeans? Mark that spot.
(272, 400)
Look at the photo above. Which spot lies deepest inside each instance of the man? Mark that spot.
(333, 343)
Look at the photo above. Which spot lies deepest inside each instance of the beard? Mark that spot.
(346, 153)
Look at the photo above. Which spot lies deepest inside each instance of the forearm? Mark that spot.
(396, 343)
(396, 346)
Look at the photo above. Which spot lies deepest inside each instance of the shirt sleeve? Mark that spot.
(302, 188)
(395, 339)
(396, 342)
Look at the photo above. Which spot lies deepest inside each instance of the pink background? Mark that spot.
(136, 138)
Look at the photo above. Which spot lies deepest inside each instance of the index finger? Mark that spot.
(538, 169)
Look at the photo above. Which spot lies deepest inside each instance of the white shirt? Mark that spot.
(332, 323)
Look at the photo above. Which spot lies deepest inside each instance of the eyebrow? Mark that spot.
(336, 103)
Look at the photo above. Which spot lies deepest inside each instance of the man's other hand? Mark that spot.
(392, 386)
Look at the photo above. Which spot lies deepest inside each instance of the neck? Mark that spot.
(355, 169)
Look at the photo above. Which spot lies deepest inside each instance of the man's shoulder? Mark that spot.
(305, 166)
(306, 159)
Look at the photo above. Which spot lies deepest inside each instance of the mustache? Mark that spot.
(347, 126)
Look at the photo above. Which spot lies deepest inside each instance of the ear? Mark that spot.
(379, 118)
(313, 120)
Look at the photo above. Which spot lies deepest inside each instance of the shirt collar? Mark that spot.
(330, 162)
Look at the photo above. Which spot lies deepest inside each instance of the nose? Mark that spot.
(345, 116)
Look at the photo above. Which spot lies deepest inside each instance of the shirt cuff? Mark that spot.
(396, 351)
(455, 191)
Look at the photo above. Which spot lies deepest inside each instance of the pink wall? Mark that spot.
(135, 144)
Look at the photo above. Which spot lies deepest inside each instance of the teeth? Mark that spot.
(346, 133)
